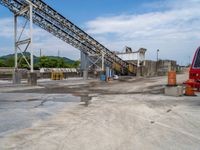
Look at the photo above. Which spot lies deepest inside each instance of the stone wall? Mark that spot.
(149, 68)
(165, 65)
(154, 68)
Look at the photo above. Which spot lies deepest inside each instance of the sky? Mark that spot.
(172, 26)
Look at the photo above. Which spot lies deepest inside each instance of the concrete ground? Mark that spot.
(129, 114)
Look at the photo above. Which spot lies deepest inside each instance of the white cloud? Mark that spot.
(171, 25)
(6, 30)
(174, 30)
(42, 40)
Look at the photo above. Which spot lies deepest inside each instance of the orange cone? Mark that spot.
(189, 91)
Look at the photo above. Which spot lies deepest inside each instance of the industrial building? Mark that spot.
(136, 57)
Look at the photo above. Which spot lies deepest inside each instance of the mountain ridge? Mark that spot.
(36, 58)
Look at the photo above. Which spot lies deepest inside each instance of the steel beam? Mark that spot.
(50, 20)
(15, 41)
(31, 34)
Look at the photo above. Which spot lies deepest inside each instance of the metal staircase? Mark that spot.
(50, 20)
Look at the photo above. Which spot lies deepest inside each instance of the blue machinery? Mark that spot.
(42, 15)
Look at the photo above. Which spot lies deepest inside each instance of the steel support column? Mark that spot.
(88, 60)
(27, 42)
(31, 34)
(15, 41)
(102, 61)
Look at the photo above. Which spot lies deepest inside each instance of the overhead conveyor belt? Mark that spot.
(50, 20)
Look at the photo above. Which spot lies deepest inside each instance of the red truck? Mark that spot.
(194, 73)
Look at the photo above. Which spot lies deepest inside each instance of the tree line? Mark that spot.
(42, 62)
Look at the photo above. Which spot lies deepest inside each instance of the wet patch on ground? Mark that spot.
(20, 110)
(93, 88)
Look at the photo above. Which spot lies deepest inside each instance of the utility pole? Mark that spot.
(189, 61)
(40, 52)
(58, 53)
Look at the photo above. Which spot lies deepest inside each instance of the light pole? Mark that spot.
(189, 61)
(157, 53)
(157, 61)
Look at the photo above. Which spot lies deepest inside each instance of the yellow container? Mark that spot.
(116, 67)
(53, 75)
(57, 75)
(61, 75)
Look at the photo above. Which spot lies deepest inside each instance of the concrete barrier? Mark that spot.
(174, 91)
(16, 76)
(85, 75)
(32, 78)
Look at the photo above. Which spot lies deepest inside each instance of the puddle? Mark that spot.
(21, 110)
(28, 100)
(86, 100)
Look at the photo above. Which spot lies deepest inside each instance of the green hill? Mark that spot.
(36, 59)
(39, 62)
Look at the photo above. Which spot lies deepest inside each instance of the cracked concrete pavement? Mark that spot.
(126, 115)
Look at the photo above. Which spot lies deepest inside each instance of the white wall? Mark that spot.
(128, 56)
